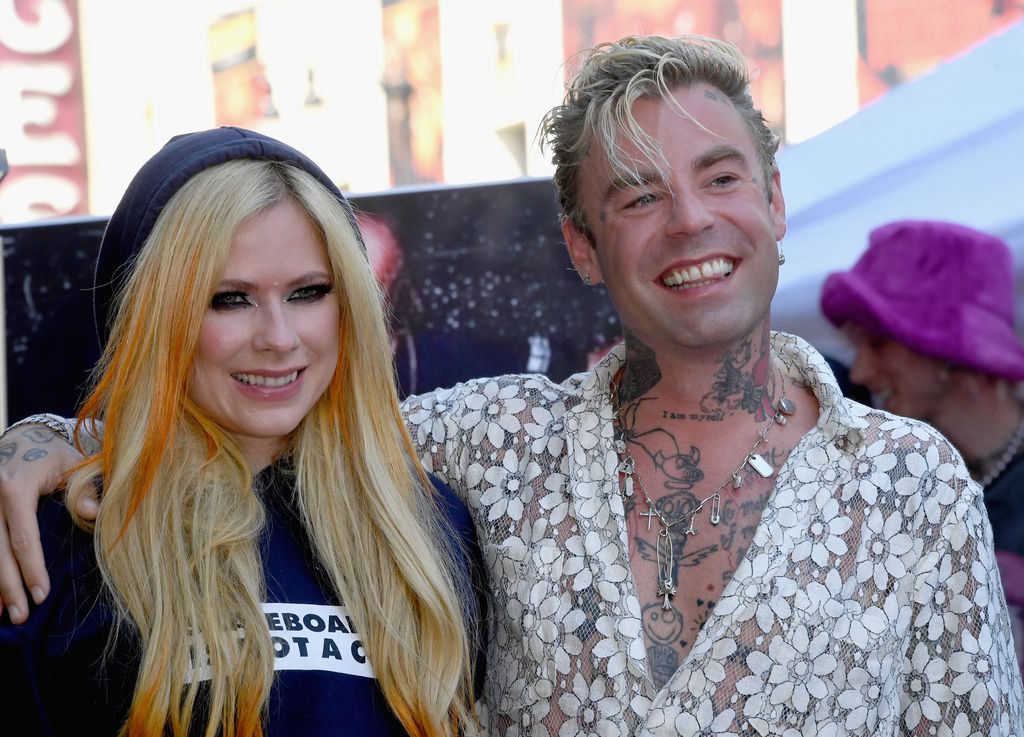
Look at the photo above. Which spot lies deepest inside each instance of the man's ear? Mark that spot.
(778, 205)
(582, 252)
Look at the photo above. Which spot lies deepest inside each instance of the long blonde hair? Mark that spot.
(177, 533)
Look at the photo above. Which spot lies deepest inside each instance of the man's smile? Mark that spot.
(699, 274)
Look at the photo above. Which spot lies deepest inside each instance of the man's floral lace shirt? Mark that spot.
(868, 603)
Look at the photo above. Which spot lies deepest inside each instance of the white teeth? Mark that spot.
(690, 276)
(271, 381)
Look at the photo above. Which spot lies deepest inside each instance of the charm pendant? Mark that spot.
(691, 530)
(716, 505)
(787, 406)
(666, 589)
(737, 481)
(759, 464)
(627, 468)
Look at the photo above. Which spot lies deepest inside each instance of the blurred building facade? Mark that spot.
(387, 93)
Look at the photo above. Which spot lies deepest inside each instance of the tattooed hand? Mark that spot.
(33, 461)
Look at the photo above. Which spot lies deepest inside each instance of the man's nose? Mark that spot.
(689, 214)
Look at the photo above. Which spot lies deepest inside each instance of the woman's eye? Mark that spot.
(311, 293)
(229, 300)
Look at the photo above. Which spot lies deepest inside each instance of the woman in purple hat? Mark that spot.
(929, 308)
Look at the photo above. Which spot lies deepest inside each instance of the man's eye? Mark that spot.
(643, 200)
(229, 300)
(311, 293)
(723, 180)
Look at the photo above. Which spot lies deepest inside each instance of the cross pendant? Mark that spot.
(649, 514)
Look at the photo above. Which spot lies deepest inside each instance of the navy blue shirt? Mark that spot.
(60, 682)
(1004, 501)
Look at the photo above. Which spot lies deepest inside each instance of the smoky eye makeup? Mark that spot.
(304, 292)
(311, 292)
(229, 299)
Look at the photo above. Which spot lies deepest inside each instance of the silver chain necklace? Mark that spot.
(1009, 453)
(627, 467)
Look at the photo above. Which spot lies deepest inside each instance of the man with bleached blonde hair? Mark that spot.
(701, 535)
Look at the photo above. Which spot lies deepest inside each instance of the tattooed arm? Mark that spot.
(33, 460)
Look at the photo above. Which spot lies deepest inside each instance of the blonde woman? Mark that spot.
(268, 557)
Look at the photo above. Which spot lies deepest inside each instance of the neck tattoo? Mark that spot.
(996, 466)
(627, 467)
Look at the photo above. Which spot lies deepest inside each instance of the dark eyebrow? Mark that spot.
(718, 154)
(241, 285)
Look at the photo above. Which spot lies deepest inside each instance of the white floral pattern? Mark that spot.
(868, 602)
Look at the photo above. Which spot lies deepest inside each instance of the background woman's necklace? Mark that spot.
(627, 467)
(996, 466)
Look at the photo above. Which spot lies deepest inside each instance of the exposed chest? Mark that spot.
(682, 567)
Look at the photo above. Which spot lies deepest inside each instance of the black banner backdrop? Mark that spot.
(477, 277)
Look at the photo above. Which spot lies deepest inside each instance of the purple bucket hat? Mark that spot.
(943, 289)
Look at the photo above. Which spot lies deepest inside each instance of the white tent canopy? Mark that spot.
(946, 146)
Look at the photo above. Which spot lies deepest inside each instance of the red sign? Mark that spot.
(41, 112)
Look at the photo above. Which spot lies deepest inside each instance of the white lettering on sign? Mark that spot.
(40, 124)
(51, 29)
(35, 196)
(30, 91)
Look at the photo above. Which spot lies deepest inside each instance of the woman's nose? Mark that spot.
(275, 330)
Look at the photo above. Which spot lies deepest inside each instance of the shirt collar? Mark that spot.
(841, 420)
